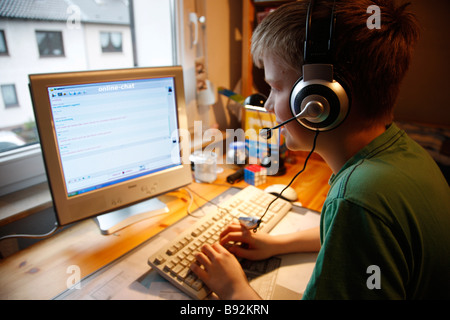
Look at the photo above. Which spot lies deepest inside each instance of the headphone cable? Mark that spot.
(292, 180)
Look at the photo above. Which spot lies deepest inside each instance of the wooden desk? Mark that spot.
(41, 271)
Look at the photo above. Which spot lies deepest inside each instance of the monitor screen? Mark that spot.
(110, 138)
(113, 131)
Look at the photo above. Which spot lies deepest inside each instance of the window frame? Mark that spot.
(16, 103)
(3, 36)
(106, 50)
(60, 33)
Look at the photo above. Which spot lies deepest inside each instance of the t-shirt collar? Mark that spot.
(391, 131)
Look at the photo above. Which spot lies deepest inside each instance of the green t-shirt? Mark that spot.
(385, 226)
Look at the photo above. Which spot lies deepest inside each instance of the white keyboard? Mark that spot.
(173, 260)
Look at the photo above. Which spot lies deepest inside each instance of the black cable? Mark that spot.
(292, 180)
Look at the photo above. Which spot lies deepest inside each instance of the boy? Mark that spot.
(388, 206)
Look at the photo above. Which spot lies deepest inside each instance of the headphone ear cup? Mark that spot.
(332, 96)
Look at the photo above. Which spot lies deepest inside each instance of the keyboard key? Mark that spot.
(159, 259)
(176, 269)
(183, 273)
(197, 284)
(171, 251)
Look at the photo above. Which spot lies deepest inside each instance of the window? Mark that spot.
(71, 37)
(9, 95)
(3, 46)
(50, 43)
(111, 41)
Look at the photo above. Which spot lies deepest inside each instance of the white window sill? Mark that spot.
(23, 203)
(23, 186)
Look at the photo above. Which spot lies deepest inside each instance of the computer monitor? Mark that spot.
(111, 142)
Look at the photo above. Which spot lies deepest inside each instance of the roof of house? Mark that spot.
(88, 11)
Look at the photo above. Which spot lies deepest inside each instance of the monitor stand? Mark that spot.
(114, 221)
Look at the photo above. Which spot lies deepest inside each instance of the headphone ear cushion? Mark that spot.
(332, 95)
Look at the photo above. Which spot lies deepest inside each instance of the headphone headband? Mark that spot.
(319, 88)
(319, 39)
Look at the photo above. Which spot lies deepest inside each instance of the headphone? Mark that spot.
(319, 95)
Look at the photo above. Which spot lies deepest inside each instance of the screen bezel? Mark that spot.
(120, 195)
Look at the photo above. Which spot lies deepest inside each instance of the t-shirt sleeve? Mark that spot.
(360, 258)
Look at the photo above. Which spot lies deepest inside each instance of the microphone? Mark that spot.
(312, 111)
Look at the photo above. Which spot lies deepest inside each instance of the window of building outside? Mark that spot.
(61, 36)
(3, 45)
(111, 41)
(9, 95)
(50, 43)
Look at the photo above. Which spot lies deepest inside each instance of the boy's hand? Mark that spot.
(222, 273)
(245, 243)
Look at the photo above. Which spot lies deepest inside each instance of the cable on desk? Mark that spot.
(222, 210)
(32, 236)
(192, 200)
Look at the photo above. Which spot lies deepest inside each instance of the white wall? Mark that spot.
(153, 29)
(96, 59)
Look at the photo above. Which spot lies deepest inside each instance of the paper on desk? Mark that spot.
(296, 269)
(296, 220)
